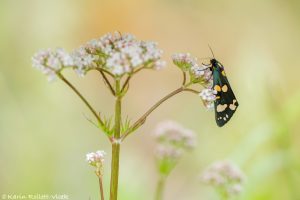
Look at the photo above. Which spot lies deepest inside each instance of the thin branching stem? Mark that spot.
(191, 90)
(107, 72)
(184, 77)
(143, 118)
(107, 82)
(82, 98)
(126, 83)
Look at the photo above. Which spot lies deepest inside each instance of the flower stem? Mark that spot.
(101, 188)
(82, 98)
(160, 188)
(116, 146)
(143, 118)
(106, 81)
(184, 77)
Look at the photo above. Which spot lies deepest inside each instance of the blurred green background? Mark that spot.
(44, 135)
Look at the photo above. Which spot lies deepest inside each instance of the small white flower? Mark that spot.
(95, 158)
(201, 72)
(184, 61)
(208, 96)
(170, 132)
(83, 60)
(52, 61)
(173, 141)
(225, 175)
(159, 64)
(235, 189)
(168, 152)
(120, 54)
(198, 71)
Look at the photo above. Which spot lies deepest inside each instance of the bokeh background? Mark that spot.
(44, 135)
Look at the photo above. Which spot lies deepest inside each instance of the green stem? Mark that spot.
(160, 188)
(116, 146)
(106, 81)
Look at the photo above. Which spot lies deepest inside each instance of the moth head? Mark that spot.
(214, 62)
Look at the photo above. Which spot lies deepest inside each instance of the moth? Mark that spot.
(225, 104)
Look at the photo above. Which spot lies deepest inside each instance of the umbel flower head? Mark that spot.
(116, 53)
(96, 159)
(172, 141)
(184, 61)
(52, 61)
(119, 54)
(226, 177)
(199, 74)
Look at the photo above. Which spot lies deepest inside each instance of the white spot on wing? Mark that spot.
(221, 107)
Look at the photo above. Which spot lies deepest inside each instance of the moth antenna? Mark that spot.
(211, 51)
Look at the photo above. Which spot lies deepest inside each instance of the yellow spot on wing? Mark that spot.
(223, 73)
(217, 88)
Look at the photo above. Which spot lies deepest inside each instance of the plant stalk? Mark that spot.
(143, 118)
(160, 188)
(82, 98)
(101, 188)
(116, 146)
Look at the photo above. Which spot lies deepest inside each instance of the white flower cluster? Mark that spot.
(122, 54)
(83, 61)
(184, 61)
(95, 158)
(198, 74)
(224, 175)
(50, 62)
(208, 96)
(119, 54)
(173, 139)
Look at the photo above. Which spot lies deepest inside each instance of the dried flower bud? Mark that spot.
(96, 159)
(225, 177)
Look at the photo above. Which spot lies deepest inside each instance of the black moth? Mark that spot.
(225, 103)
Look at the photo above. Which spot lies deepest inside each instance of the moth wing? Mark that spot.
(226, 103)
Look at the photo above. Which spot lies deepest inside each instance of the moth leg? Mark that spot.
(207, 65)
